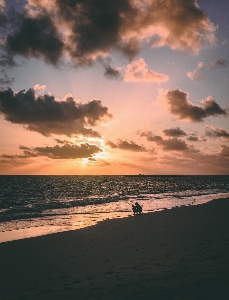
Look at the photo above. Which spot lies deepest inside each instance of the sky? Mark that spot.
(114, 87)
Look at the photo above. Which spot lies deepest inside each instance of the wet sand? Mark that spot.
(181, 253)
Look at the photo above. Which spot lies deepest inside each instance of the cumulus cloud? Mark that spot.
(216, 132)
(35, 37)
(172, 144)
(125, 145)
(139, 71)
(87, 30)
(67, 151)
(46, 115)
(179, 105)
(38, 87)
(195, 138)
(174, 132)
(151, 137)
(198, 73)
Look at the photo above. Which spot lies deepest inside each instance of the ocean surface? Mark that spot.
(36, 205)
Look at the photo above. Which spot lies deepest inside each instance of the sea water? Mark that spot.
(36, 205)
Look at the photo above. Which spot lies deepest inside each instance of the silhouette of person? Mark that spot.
(134, 209)
(137, 208)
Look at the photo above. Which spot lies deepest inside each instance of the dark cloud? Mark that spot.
(67, 151)
(35, 37)
(47, 115)
(112, 73)
(180, 106)
(219, 63)
(198, 73)
(5, 79)
(7, 60)
(195, 138)
(167, 145)
(174, 132)
(174, 144)
(85, 30)
(124, 145)
(21, 147)
(216, 132)
(8, 156)
(111, 144)
(92, 159)
(60, 141)
(150, 137)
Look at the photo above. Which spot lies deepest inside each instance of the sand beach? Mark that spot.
(180, 253)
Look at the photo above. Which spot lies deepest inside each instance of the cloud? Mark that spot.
(219, 63)
(7, 60)
(124, 145)
(61, 141)
(35, 37)
(151, 137)
(195, 138)
(173, 144)
(224, 152)
(2, 5)
(216, 132)
(86, 30)
(67, 151)
(139, 71)
(38, 87)
(5, 79)
(198, 73)
(174, 132)
(193, 161)
(46, 115)
(179, 105)
(112, 73)
(92, 159)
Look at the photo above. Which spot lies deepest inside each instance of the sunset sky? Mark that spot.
(114, 87)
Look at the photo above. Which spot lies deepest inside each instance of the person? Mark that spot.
(137, 208)
(134, 209)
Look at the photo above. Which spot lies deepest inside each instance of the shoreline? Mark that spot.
(180, 253)
(80, 221)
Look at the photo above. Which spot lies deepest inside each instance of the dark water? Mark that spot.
(24, 197)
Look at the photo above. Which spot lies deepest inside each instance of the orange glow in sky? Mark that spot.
(126, 88)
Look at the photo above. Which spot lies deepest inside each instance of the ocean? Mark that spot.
(35, 205)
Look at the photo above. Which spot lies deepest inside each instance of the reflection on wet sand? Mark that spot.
(78, 218)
